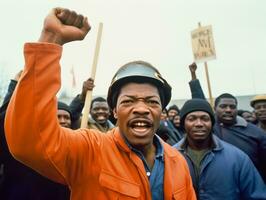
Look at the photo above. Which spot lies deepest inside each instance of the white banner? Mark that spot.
(203, 44)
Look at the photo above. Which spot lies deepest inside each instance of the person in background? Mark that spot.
(259, 104)
(99, 115)
(247, 115)
(173, 110)
(232, 128)
(64, 114)
(19, 181)
(164, 115)
(236, 131)
(167, 130)
(77, 104)
(176, 122)
(128, 162)
(219, 170)
(99, 109)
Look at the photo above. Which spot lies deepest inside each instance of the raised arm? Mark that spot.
(33, 133)
(77, 103)
(194, 84)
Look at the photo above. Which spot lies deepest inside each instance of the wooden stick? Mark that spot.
(209, 84)
(208, 80)
(86, 108)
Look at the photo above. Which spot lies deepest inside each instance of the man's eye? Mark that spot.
(127, 101)
(206, 119)
(222, 106)
(191, 118)
(152, 102)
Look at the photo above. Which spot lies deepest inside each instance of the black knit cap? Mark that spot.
(193, 105)
(65, 107)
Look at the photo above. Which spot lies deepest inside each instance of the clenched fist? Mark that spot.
(63, 25)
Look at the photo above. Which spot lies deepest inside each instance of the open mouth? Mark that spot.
(140, 127)
(101, 117)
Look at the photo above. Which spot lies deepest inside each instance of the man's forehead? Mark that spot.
(136, 89)
(262, 102)
(62, 112)
(100, 104)
(227, 101)
(198, 113)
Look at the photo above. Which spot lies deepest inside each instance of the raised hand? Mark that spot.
(63, 25)
(193, 67)
(87, 85)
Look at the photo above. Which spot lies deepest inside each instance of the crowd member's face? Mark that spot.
(176, 121)
(164, 115)
(260, 110)
(100, 112)
(226, 111)
(138, 112)
(64, 118)
(248, 117)
(198, 127)
(171, 114)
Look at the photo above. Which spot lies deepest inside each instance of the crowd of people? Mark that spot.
(135, 146)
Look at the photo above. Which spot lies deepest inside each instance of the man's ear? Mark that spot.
(114, 113)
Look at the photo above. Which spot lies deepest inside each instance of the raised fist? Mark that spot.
(63, 25)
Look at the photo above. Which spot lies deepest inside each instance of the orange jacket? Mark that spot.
(95, 166)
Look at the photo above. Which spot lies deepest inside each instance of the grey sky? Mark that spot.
(151, 30)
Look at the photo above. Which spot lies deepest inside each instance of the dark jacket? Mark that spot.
(196, 90)
(169, 135)
(226, 173)
(76, 107)
(21, 182)
(243, 135)
(247, 137)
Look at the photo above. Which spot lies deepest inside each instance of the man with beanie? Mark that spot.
(64, 114)
(219, 170)
(232, 128)
(128, 162)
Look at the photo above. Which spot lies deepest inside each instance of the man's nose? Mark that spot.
(141, 108)
(62, 120)
(228, 109)
(198, 122)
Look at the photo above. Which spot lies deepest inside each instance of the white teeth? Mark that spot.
(140, 124)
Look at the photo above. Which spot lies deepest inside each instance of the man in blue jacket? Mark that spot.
(232, 128)
(218, 169)
(238, 132)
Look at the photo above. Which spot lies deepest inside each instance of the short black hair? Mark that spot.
(97, 99)
(224, 96)
(241, 112)
(174, 107)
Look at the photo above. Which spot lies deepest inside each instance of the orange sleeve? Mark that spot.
(33, 133)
